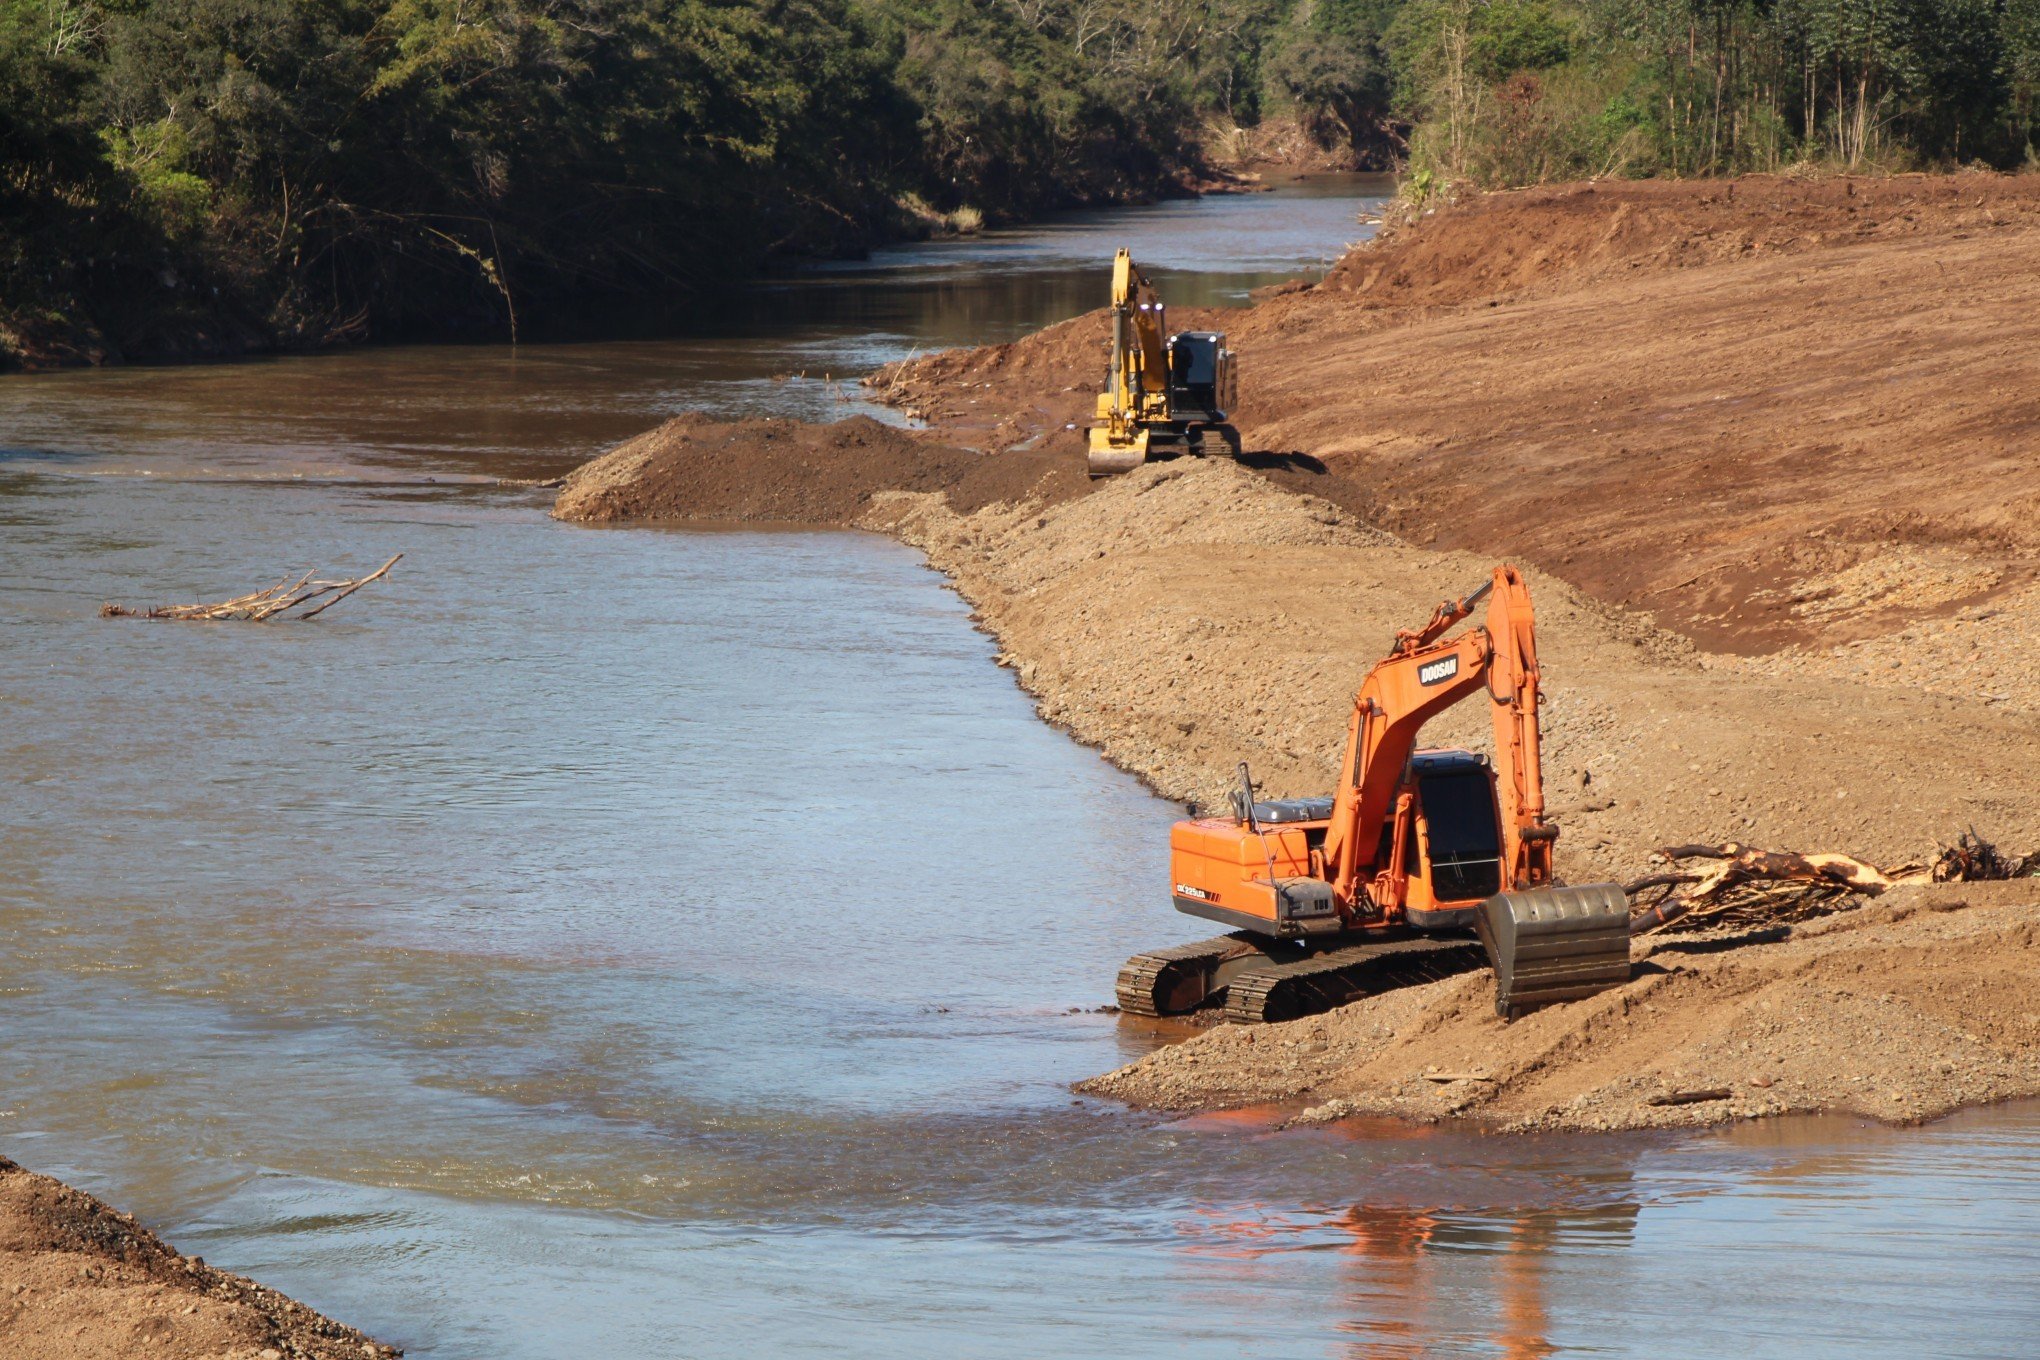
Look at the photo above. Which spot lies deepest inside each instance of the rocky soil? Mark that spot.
(1768, 450)
(81, 1281)
(1913, 1007)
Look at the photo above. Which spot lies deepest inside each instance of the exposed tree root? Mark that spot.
(1749, 887)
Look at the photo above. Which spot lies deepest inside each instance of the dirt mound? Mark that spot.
(695, 468)
(1807, 450)
(1925, 1002)
(1772, 413)
(1191, 614)
(79, 1281)
(1538, 240)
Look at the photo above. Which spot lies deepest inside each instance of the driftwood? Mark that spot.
(1691, 1097)
(1745, 886)
(259, 607)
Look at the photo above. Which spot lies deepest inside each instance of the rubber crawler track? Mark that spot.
(1147, 980)
(1311, 986)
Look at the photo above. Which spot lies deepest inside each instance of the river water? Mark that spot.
(679, 943)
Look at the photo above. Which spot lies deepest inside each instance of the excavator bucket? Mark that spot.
(1555, 944)
(1109, 458)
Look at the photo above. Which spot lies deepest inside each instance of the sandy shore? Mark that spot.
(1766, 615)
(82, 1281)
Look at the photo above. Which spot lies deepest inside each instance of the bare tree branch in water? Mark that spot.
(260, 606)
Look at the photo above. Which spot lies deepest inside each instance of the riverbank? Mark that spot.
(1592, 380)
(80, 1281)
(171, 317)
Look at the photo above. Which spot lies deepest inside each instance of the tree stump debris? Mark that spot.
(1747, 886)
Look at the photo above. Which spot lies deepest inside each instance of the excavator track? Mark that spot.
(1309, 986)
(1178, 980)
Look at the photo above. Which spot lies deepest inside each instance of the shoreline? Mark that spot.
(29, 346)
(1190, 614)
(79, 1278)
(1937, 1070)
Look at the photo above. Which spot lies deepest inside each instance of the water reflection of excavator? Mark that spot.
(1164, 393)
(1421, 1280)
(1376, 886)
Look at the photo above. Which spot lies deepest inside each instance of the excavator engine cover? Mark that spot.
(1555, 944)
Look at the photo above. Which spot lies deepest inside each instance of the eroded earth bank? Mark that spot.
(1770, 451)
(79, 1279)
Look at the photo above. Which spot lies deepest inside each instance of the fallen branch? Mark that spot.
(1742, 863)
(262, 605)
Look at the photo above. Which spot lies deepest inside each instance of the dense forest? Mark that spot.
(202, 176)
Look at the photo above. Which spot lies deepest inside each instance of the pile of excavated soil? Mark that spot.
(1191, 614)
(1769, 412)
(1926, 1001)
(693, 468)
(79, 1281)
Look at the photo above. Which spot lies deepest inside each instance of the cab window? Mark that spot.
(1466, 846)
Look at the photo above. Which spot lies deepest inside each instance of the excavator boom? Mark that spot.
(1423, 675)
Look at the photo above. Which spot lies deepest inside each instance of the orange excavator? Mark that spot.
(1388, 881)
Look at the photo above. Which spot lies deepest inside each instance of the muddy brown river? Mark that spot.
(661, 943)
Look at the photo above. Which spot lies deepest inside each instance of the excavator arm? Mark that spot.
(1514, 685)
(1139, 378)
(1425, 674)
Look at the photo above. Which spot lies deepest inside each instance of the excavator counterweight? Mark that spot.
(1387, 882)
(1164, 393)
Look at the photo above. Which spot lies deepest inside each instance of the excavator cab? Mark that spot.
(1200, 377)
(1456, 863)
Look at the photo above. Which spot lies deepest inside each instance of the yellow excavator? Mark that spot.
(1165, 394)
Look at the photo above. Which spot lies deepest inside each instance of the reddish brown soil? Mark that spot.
(1538, 241)
(692, 468)
(80, 1281)
(1726, 404)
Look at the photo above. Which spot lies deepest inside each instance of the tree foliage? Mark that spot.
(1506, 91)
(202, 173)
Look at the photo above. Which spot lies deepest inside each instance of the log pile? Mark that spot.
(273, 602)
(1743, 887)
